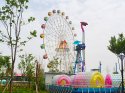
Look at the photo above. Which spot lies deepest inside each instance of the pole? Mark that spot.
(100, 66)
(83, 42)
(83, 51)
(116, 68)
(121, 56)
(122, 74)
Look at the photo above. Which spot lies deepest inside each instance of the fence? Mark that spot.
(70, 89)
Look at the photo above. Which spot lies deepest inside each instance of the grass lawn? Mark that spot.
(25, 91)
(22, 90)
(44, 92)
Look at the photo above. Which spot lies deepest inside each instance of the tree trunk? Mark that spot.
(36, 88)
(36, 77)
(11, 81)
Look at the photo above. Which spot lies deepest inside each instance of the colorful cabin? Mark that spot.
(45, 18)
(58, 11)
(63, 13)
(67, 17)
(45, 56)
(73, 28)
(42, 35)
(43, 26)
(75, 35)
(49, 13)
(42, 46)
(54, 11)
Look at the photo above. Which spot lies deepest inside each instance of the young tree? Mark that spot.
(53, 65)
(27, 66)
(117, 45)
(40, 78)
(11, 16)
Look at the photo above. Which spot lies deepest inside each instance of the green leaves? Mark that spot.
(34, 33)
(26, 64)
(53, 65)
(16, 3)
(4, 64)
(2, 18)
(31, 19)
(5, 13)
(117, 45)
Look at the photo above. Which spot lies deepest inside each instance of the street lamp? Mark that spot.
(122, 56)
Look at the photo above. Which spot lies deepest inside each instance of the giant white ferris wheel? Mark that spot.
(57, 39)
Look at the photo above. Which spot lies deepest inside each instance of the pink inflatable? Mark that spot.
(108, 81)
(63, 80)
(82, 79)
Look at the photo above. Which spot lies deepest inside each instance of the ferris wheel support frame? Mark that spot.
(79, 60)
(80, 57)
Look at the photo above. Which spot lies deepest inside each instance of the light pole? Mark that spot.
(122, 56)
(100, 66)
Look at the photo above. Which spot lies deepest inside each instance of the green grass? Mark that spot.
(23, 90)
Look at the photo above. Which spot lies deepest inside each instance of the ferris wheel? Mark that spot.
(58, 38)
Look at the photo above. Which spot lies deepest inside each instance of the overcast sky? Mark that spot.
(106, 18)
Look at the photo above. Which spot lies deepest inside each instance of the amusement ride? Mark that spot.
(58, 38)
(60, 46)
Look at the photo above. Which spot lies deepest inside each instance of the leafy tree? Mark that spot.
(5, 66)
(40, 79)
(11, 16)
(27, 66)
(117, 45)
(53, 65)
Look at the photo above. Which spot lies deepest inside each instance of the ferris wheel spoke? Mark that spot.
(53, 30)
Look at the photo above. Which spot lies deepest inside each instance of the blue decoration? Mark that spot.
(76, 42)
(80, 47)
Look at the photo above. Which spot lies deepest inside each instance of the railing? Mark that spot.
(70, 89)
(59, 89)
